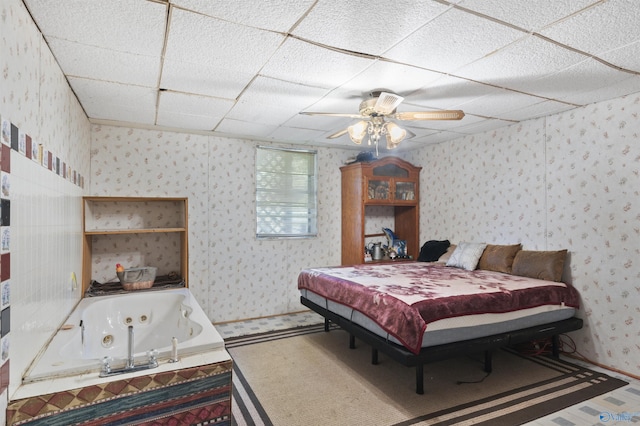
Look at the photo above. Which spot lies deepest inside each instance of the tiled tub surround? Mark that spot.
(197, 388)
(46, 215)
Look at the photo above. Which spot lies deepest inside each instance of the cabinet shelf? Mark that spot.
(134, 231)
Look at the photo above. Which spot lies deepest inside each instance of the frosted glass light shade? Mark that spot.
(358, 131)
(395, 135)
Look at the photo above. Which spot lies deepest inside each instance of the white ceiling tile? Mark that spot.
(81, 60)
(186, 121)
(195, 38)
(434, 139)
(245, 129)
(434, 125)
(122, 25)
(319, 122)
(585, 76)
(536, 110)
(446, 93)
(296, 135)
(312, 65)
(343, 142)
(418, 132)
(191, 111)
(515, 65)
(275, 15)
(601, 28)
(430, 126)
(529, 15)
(271, 101)
(483, 126)
(340, 100)
(452, 40)
(627, 57)
(204, 79)
(369, 27)
(265, 91)
(114, 101)
(397, 78)
(496, 103)
(269, 116)
(624, 87)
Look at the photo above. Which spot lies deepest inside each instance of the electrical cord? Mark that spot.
(545, 346)
(462, 382)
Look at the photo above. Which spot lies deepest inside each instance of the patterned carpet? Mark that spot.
(306, 376)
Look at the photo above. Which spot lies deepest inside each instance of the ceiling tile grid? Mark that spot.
(248, 69)
(368, 27)
(453, 40)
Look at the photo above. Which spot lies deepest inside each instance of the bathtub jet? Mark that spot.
(102, 341)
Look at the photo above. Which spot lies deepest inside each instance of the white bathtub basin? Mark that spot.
(98, 328)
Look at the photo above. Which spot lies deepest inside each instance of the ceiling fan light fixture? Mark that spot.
(374, 113)
(395, 134)
(358, 131)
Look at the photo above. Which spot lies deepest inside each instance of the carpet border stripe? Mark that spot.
(249, 405)
(482, 411)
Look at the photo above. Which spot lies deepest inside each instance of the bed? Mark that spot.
(419, 312)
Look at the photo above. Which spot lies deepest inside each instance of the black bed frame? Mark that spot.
(449, 350)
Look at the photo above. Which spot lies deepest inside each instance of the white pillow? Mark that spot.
(466, 255)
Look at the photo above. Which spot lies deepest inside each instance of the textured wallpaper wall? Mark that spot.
(570, 181)
(233, 275)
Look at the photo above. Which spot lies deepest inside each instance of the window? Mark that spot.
(286, 200)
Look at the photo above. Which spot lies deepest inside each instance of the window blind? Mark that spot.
(286, 193)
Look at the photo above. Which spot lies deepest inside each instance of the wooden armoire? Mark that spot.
(389, 181)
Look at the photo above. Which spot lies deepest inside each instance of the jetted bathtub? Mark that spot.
(99, 327)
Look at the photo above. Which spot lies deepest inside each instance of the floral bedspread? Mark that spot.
(403, 298)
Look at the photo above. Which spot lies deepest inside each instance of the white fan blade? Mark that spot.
(387, 103)
(332, 114)
(338, 134)
(429, 115)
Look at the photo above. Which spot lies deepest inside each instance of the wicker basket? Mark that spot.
(138, 278)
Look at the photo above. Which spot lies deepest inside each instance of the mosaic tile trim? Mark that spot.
(5, 255)
(19, 141)
(193, 395)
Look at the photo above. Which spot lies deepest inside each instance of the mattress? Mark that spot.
(405, 299)
(454, 329)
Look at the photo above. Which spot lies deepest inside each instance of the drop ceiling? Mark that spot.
(247, 68)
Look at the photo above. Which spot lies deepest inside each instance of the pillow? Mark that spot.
(432, 250)
(543, 265)
(445, 257)
(466, 256)
(498, 258)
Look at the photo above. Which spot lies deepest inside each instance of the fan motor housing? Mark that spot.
(380, 103)
(367, 107)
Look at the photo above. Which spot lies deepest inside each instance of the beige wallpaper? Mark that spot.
(233, 275)
(567, 181)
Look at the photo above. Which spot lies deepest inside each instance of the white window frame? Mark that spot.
(298, 219)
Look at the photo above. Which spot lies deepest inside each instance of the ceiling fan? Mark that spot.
(374, 113)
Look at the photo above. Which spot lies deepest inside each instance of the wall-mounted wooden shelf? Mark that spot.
(149, 230)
